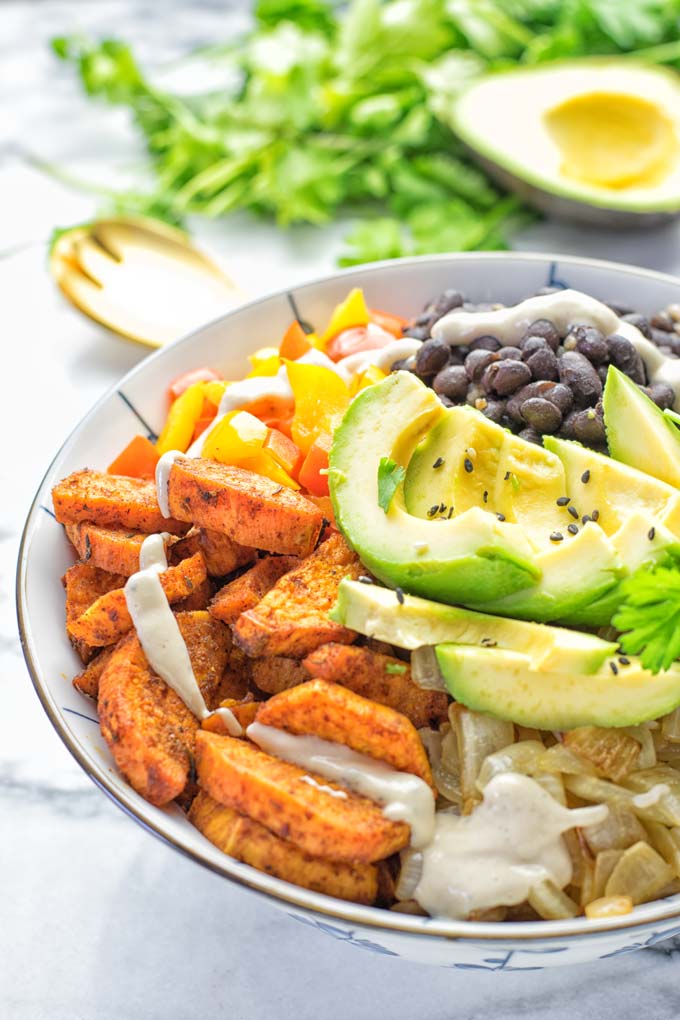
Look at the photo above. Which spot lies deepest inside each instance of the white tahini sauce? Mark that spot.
(564, 308)
(404, 797)
(311, 781)
(651, 796)
(163, 469)
(494, 856)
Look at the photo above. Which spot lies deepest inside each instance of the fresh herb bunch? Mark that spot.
(344, 108)
(649, 614)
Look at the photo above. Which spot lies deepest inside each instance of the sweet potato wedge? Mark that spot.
(84, 584)
(380, 678)
(252, 843)
(113, 501)
(222, 554)
(107, 619)
(150, 731)
(335, 713)
(292, 618)
(246, 591)
(243, 711)
(198, 598)
(250, 509)
(277, 674)
(112, 549)
(345, 828)
(87, 681)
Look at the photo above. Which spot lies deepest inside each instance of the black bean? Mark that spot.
(447, 402)
(451, 382)
(509, 376)
(602, 373)
(662, 321)
(530, 344)
(675, 344)
(624, 355)
(578, 374)
(567, 430)
(543, 365)
(485, 343)
(561, 396)
(660, 338)
(588, 426)
(547, 329)
(531, 435)
(431, 358)
(513, 353)
(641, 322)
(494, 410)
(476, 362)
(541, 414)
(662, 394)
(533, 389)
(404, 365)
(592, 344)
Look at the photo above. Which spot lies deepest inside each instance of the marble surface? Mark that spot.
(97, 919)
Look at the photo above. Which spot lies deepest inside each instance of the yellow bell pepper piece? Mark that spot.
(181, 421)
(214, 390)
(349, 313)
(370, 377)
(321, 399)
(266, 361)
(239, 435)
(264, 464)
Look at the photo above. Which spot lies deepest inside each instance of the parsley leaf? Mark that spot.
(395, 667)
(649, 614)
(390, 477)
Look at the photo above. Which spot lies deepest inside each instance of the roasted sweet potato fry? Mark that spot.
(84, 584)
(185, 547)
(252, 843)
(197, 599)
(149, 730)
(246, 591)
(381, 678)
(243, 711)
(113, 501)
(87, 681)
(277, 674)
(335, 713)
(112, 549)
(107, 619)
(292, 618)
(222, 554)
(250, 509)
(272, 792)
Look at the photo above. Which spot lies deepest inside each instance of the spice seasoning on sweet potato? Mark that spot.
(335, 713)
(252, 843)
(84, 584)
(112, 549)
(380, 678)
(348, 828)
(246, 591)
(87, 681)
(249, 508)
(292, 618)
(277, 673)
(113, 501)
(222, 554)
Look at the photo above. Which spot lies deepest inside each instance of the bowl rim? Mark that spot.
(275, 889)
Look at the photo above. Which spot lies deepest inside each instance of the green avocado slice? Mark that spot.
(502, 684)
(414, 622)
(451, 560)
(638, 433)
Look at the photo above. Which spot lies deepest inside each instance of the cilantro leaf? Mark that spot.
(649, 614)
(390, 477)
(395, 668)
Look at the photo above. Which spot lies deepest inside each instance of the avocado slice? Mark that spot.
(450, 560)
(466, 460)
(599, 483)
(502, 683)
(376, 612)
(638, 433)
(593, 139)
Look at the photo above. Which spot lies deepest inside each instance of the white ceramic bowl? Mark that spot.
(137, 404)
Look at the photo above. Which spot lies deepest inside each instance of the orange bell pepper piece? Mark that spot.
(294, 343)
(393, 324)
(314, 471)
(137, 460)
(284, 451)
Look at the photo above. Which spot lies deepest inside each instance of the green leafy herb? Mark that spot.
(344, 110)
(390, 477)
(395, 668)
(649, 614)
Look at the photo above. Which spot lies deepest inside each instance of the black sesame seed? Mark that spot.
(563, 501)
(450, 513)
(488, 642)
(556, 536)
(400, 596)
(433, 510)
(624, 660)
(595, 515)
(651, 533)
(573, 511)
(614, 668)
(501, 517)
(442, 508)
(572, 529)
(586, 518)
(438, 463)
(585, 477)
(506, 476)
(365, 580)
(485, 496)
(468, 465)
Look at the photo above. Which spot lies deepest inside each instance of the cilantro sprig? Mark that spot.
(390, 477)
(649, 614)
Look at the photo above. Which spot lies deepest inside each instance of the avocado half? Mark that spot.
(525, 128)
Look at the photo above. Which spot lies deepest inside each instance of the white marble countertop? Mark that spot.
(97, 919)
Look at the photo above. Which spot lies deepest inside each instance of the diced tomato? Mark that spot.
(393, 324)
(284, 451)
(137, 460)
(205, 420)
(357, 339)
(314, 471)
(294, 343)
(184, 381)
